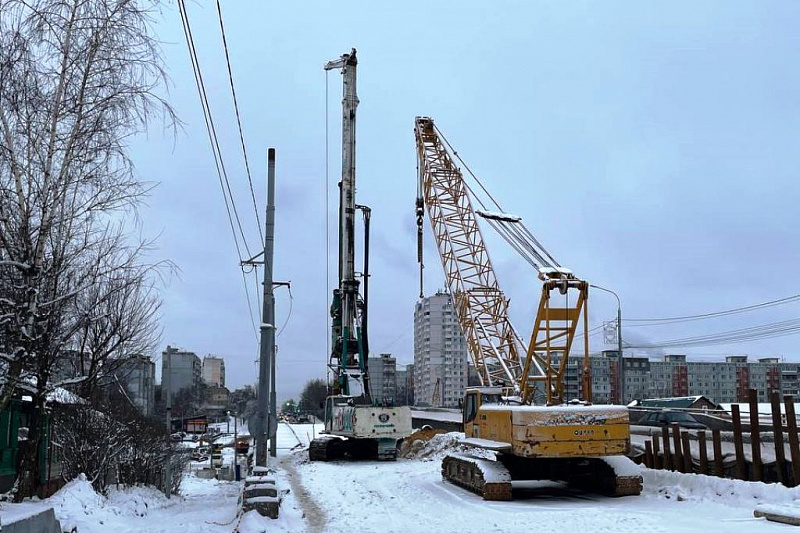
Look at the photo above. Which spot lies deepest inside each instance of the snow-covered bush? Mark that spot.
(111, 442)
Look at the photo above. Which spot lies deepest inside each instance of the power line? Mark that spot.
(703, 316)
(238, 119)
(216, 152)
(212, 131)
(763, 331)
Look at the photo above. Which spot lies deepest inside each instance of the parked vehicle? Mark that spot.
(667, 418)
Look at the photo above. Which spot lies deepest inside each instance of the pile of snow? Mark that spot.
(441, 445)
(77, 505)
(699, 488)
(136, 501)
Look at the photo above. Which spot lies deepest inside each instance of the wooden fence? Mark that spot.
(673, 450)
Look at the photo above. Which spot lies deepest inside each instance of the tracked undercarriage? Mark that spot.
(492, 479)
(330, 448)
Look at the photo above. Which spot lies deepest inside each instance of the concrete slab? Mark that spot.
(43, 521)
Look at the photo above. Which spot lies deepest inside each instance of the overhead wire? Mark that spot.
(289, 315)
(762, 331)
(230, 205)
(209, 119)
(238, 119)
(703, 316)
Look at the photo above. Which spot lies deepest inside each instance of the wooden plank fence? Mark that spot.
(672, 448)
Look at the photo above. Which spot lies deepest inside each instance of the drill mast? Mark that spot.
(348, 357)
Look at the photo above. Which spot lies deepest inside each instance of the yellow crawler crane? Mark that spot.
(578, 443)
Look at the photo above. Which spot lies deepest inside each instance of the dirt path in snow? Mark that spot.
(315, 517)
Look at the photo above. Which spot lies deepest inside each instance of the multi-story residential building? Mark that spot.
(383, 378)
(604, 372)
(440, 353)
(180, 370)
(410, 384)
(214, 370)
(401, 387)
(721, 381)
(137, 375)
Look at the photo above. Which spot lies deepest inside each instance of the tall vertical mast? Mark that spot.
(348, 354)
(347, 200)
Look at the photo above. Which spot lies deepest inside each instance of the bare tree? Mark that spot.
(77, 80)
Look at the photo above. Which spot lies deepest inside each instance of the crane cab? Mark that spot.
(473, 400)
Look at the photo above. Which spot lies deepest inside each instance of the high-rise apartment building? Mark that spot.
(214, 370)
(440, 353)
(180, 369)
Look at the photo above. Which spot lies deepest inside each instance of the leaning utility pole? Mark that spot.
(265, 364)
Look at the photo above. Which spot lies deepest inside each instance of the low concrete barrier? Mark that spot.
(43, 521)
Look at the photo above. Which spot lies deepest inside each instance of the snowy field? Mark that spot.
(409, 496)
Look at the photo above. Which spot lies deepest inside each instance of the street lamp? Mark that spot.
(619, 342)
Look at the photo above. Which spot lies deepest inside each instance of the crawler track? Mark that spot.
(489, 479)
(492, 479)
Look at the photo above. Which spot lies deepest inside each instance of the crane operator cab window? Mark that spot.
(470, 407)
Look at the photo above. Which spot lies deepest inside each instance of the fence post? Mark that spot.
(701, 441)
(791, 430)
(741, 468)
(755, 436)
(648, 454)
(688, 466)
(667, 451)
(676, 441)
(658, 462)
(777, 432)
(719, 468)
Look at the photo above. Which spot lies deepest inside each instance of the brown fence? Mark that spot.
(688, 451)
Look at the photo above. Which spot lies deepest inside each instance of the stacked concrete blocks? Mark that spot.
(261, 494)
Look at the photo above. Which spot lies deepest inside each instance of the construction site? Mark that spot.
(513, 176)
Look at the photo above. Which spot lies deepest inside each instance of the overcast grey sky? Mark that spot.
(651, 146)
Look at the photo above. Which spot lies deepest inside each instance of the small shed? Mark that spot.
(197, 425)
(682, 402)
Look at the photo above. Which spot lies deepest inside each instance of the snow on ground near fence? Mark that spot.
(410, 495)
(205, 506)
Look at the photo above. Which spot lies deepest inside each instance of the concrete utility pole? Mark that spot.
(265, 363)
(273, 407)
(165, 389)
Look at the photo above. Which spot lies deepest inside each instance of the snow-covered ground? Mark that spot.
(207, 506)
(409, 495)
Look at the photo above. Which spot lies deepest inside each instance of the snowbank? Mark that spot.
(699, 488)
(77, 505)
